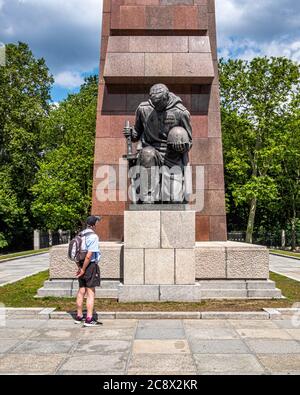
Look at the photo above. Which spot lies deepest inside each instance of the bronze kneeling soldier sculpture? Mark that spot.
(164, 131)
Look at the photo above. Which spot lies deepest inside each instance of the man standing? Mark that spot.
(88, 273)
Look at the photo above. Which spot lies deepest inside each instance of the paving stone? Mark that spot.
(235, 315)
(44, 347)
(212, 333)
(87, 373)
(161, 363)
(199, 324)
(159, 333)
(160, 347)
(107, 334)
(274, 346)
(24, 324)
(6, 345)
(218, 347)
(249, 324)
(124, 323)
(59, 334)
(11, 333)
(31, 363)
(103, 347)
(294, 333)
(171, 324)
(222, 363)
(287, 324)
(282, 363)
(257, 333)
(97, 363)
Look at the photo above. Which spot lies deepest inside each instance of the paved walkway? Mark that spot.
(150, 347)
(286, 266)
(17, 269)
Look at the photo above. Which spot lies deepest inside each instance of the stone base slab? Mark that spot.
(202, 290)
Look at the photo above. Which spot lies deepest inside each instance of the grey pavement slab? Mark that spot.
(107, 333)
(287, 324)
(44, 347)
(170, 324)
(160, 347)
(11, 333)
(18, 269)
(228, 363)
(249, 324)
(286, 266)
(7, 345)
(219, 347)
(103, 347)
(267, 346)
(55, 334)
(281, 363)
(161, 363)
(96, 363)
(30, 363)
(211, 333)
(264, 334)
(159, 333)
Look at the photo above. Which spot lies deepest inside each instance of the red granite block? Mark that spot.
(124, 65)
(134, 100)
(200, 126)
(186, 17)
(177, 2)
(218, 228)
(142, 2)
(200, 177)
(200, 103)
(103, 128)
(104, 44)
(114, 100)
(159, 18)
(214, 202)
(116, 228)
(118, 44)
(199, 44)
(106, 24)
(106, 5)
(132, 17)
(215, 176)
(202, 228)
(109, 150)
(193, 65)
(200, 152)
(157, 65)
(215, 151)
(102, 227)
(214, 124)
(108, 207)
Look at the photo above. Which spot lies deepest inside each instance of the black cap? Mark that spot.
(92, 220)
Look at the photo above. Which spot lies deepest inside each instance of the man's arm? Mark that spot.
(87, 261)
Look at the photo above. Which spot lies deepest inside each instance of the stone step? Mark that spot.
(265, 294)
(220, 284)
(223, 294)
(255, 285)
(60, 284)
(64, 293)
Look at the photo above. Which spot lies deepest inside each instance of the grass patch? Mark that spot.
(286, 253)
(24, 253)
(22, 294)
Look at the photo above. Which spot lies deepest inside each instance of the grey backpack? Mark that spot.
(75, 252)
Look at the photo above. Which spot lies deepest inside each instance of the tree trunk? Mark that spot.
(251, 220)
(294, 233)
(283, 238)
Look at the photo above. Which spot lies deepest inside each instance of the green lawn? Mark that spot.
(22, 294)
(286, 253)
(24, 253)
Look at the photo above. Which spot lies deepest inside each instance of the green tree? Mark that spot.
(25, 84)
(62, 191)
(255, 99)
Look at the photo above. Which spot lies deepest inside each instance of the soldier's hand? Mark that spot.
(127, 132)
(180, 147)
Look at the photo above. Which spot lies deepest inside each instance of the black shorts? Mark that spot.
(91, 277)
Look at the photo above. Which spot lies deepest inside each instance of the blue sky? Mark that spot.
(67, 33)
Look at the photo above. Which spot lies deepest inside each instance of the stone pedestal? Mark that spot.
(159, 247)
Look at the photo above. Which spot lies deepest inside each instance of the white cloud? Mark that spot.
(265, 27)
(69, 79)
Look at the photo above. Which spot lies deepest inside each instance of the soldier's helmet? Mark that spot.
(178, 135)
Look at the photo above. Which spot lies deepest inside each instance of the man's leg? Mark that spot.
(90, 302)
(80, 299)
